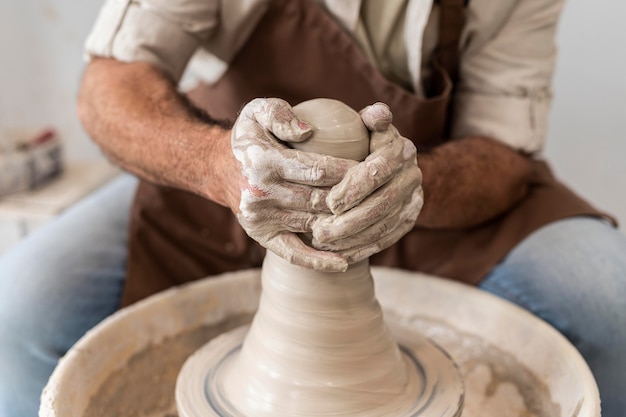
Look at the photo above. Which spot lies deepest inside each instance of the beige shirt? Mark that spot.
(507, 50)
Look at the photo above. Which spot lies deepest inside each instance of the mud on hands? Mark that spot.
(286, 191)
(379, 199)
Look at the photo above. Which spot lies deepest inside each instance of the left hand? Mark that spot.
(278, 192)
(378, 200)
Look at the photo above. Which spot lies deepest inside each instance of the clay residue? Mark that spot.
(145, 386)
(318, 346)
(496, 384)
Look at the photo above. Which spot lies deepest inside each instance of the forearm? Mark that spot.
(469, 181)
(134, 113)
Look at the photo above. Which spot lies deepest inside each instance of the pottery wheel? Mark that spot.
(300, 358)
(433, 386)
(512, 363)
(318, 345)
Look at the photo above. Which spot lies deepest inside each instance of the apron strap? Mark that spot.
(451, 23)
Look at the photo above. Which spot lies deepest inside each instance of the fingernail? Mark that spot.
(302, 129)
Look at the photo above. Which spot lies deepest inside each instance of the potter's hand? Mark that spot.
(379, 199)
(283, 191)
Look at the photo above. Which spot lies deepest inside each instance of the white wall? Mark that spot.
(40, 69)
(41, 63)
(587, 141)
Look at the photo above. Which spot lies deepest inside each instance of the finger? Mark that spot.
(290, 197)
(407, 212)
(267, 160)
(307, 199)
(310, 168)
(292, 221)
(379, 139)
(289, 247)
(363, 179)
(304, 198)
(363, 252)
(377, 117)
(368, 235)
(358, 254)
(350, 223)
(276, 115)
(385, 202)
(264, 220)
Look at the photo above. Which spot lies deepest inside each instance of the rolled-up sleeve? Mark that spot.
(504, 90)
(162, 32)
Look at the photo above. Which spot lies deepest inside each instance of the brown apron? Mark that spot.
(298, 52)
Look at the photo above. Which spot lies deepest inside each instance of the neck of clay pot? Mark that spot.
(317, 343)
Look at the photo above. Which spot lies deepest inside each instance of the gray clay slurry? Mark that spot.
(513, 364)
(145, 386)
(496, 384)
(318, 346)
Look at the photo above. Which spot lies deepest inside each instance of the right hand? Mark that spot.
(379, 199)
(282, 190)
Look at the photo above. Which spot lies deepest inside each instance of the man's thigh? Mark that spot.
(55, 285)
(572, 273)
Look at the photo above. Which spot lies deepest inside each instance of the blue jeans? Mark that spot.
(572, 274)
(64, 279)
(54, 286)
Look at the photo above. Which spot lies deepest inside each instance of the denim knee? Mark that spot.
(54, 286)
(572, 274)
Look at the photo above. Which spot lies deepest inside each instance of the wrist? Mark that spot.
(223, 172)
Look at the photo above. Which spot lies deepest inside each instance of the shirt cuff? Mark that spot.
(518, 121)
(128, 32)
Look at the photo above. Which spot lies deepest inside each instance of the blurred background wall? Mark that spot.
(587, 139)
(41, 64)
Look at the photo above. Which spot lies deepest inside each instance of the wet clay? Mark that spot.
(274, 172)
(319, 342)
(513, 364)
(145, 386)
(497, 385)
(311, 326)
(318, 345)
